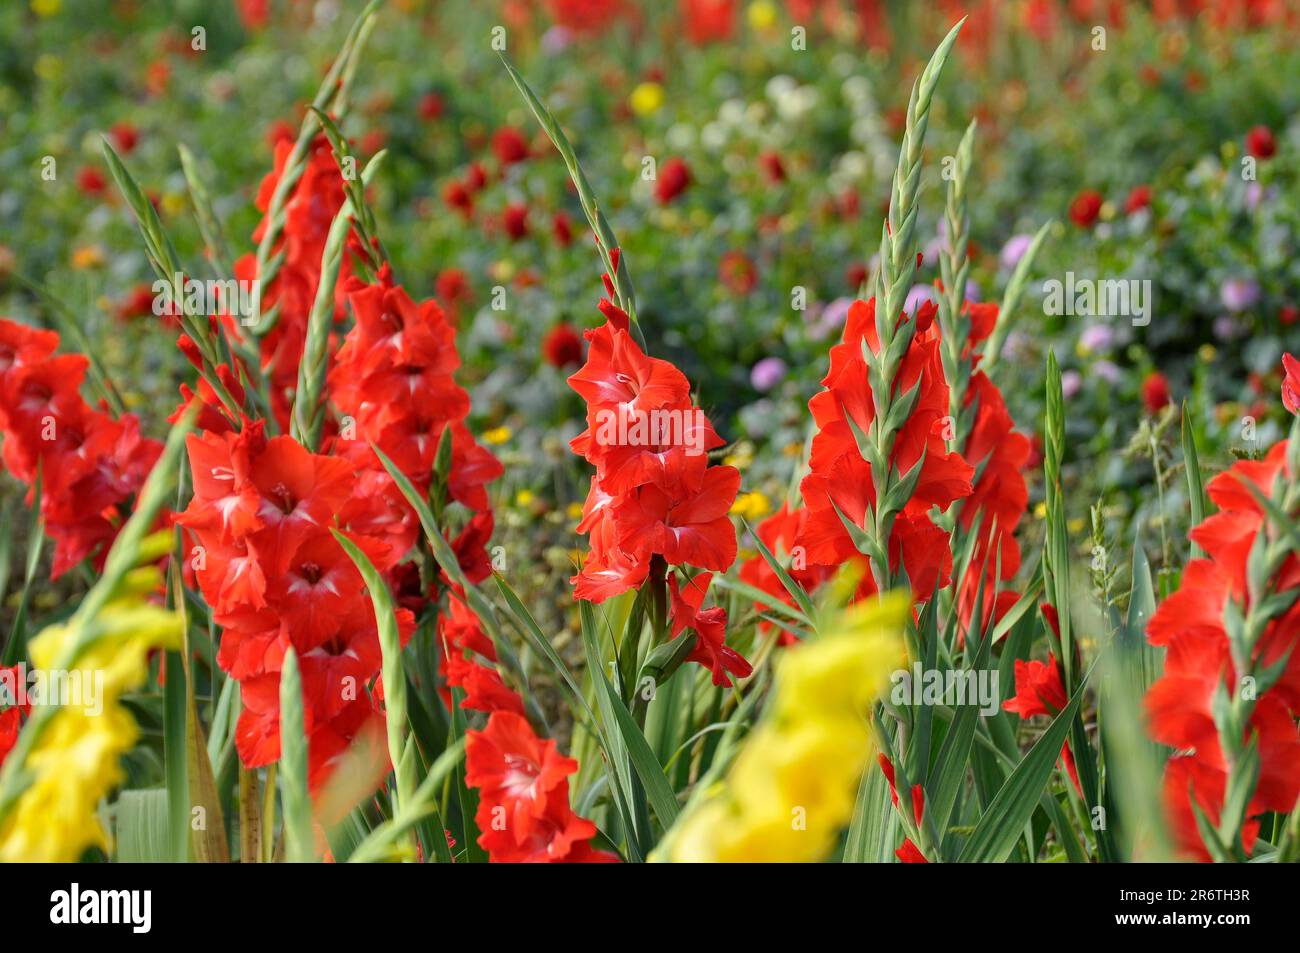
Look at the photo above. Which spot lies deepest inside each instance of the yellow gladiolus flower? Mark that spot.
(74, 762)
(792, 787)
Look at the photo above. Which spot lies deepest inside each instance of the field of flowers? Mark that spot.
(453, 431)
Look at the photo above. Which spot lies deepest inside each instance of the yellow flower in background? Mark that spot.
(87, 256)
(573, 511)
(47, 8)
(525, 498)
(173, 203)
(74, 763)
(48, 67)
(646, 98)
(497, 435)
(762, 15)
(752, 506)
(792, 787)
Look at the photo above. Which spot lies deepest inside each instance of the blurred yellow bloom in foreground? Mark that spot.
(647, 98)
(792, 787)
(74, 763)
(752, 506)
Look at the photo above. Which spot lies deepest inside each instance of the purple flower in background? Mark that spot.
(1254, 193)
(972, 290)
(1097, 337)
(1226, 327)
(1070, 384)
(1239, 294)
(917, 297)
(767, 373)
(1107, 371)
(831, 318)
(1014, 250)
(556, 39)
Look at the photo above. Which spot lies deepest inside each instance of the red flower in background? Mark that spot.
(90, 464)
(562, 346)
(1086, 208)
(509, 146)
(1260, 143)
(674, 177)
(708, 21)
(1155, 392)
(515, 221)
(1138, 199)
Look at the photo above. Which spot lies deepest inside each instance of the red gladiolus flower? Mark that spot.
(654, 493)
(1260, 143)
(562, 346)
(999, 497)
(1291, 383)
(1199, 661)
(1155, 392)
(523, 783)
(674, 177)
(709, 625)
(90, 464)
(909, 853)
(1085, 208)
(1039, 691)
(309, 212)
(840, 478)
(778, 533)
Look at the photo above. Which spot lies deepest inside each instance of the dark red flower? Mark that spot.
(562, 346)
(1138, 199)
(1085, 208)
(1260, 142)
(1155, 392)
(674, 177)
